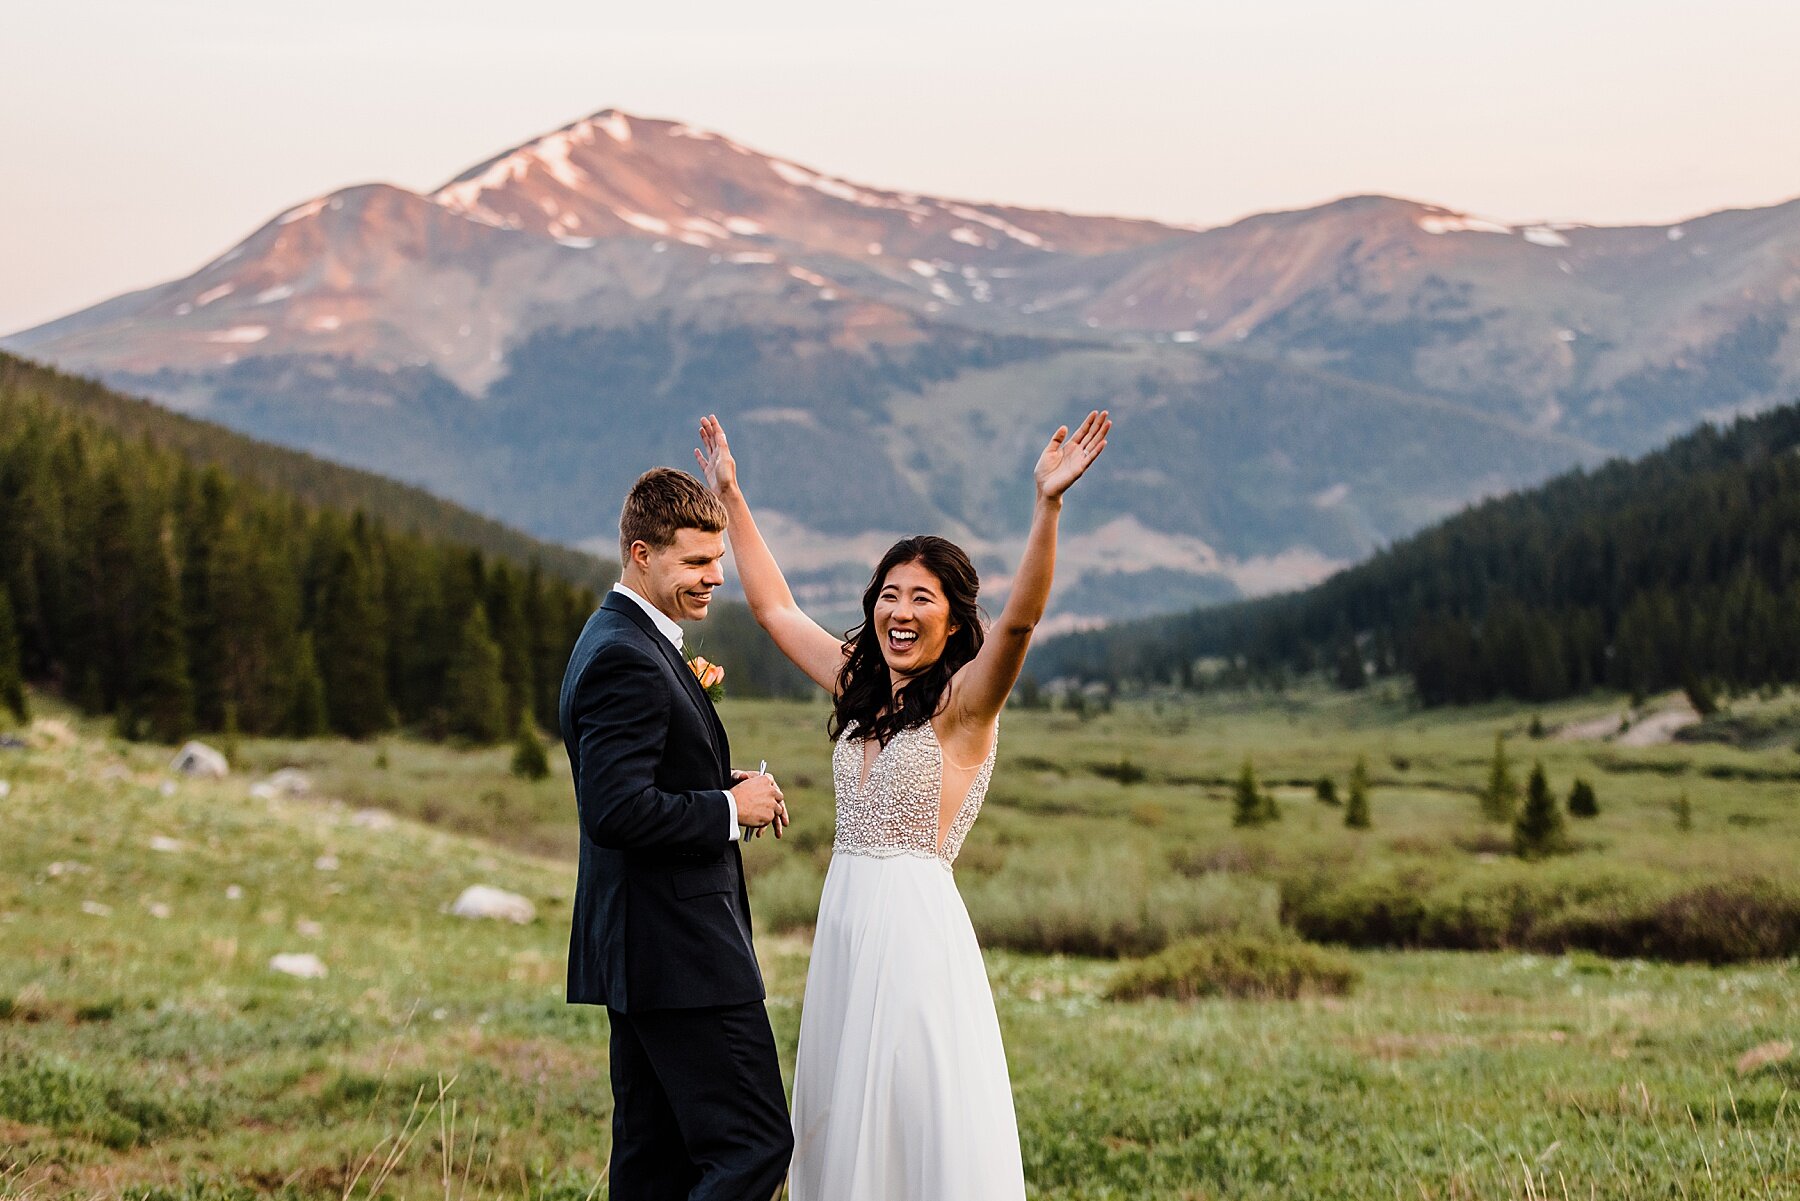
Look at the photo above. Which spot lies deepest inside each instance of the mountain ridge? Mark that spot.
(531, 333)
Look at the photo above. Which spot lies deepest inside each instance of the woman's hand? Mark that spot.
(1066, 458)
(715, 460)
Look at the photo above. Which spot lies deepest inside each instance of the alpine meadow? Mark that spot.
(1400, 800)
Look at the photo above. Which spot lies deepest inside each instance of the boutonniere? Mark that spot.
(710, 675)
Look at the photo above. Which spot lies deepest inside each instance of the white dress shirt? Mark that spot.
(672, 632)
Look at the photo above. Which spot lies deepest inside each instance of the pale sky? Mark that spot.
(141, 139)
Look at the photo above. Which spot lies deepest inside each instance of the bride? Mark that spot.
(900, 1086)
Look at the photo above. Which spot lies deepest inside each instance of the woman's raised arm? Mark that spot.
(980, 689)
(813, 649)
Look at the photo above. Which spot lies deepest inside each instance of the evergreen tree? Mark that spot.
(1500, 796)
(352, 643)
(1684, 813)
(1326, 790)
(307, 717)
(1356, 812)
(474, 690)
(12, 679)
(1538, 830)
(1247, 800)
(1582, 801)
(529, 761)
(161, 701)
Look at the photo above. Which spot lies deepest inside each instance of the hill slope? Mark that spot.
(1678, 569)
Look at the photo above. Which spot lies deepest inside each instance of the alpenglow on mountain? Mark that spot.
(1292, 390)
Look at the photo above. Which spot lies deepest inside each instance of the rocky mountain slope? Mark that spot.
(1293, 390)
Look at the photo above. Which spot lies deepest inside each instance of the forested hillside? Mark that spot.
(182, 578)
(1681, 569)
(316, 481)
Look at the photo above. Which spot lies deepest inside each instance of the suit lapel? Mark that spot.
(715, 728)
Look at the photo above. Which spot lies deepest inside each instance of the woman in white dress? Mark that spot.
(900, 1086)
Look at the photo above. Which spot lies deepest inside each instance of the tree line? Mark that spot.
(176, 597)
(1681, 569)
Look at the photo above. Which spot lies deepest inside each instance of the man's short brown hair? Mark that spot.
(663, 502)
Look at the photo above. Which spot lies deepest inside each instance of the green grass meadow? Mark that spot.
(1502, 1038)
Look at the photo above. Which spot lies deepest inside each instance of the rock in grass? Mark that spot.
(483, 900)
(1237, 965)
(198, 759)
(302, 964)
(289, 781)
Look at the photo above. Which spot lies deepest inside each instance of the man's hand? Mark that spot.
(759, 802)
(715, 460)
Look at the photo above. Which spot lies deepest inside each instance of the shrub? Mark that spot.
(1375, 909)
(1582, 801)
(529, 761)
(1123, 772)
(1326, 790)
(1720, 922)
(1684, 813)
(1250, 806)
(1237, 966)
(1356, 813)
(1108, 902)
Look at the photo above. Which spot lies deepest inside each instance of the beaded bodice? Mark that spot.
(895, 812)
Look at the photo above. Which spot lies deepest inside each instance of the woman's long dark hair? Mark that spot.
(865, 689)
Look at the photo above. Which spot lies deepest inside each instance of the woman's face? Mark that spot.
(912, 619)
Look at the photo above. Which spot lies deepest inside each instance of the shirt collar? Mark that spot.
(658, 618)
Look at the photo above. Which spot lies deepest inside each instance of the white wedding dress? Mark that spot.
(900, 1087)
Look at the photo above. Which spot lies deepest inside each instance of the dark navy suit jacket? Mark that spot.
(662, 919)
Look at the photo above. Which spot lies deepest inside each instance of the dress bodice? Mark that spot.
(895, 812)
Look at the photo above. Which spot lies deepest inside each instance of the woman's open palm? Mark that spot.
(1068, 456)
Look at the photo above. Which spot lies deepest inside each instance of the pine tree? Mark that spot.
(161, 703)
(1684, 813)
(474, 690)
(1326, 790)
(1538, 830)
(12, 680)
(1500, 796)
(1356, 812)
(307, 716)
(352, 645)
(1582, 801)
(529, 761)
(1247, 801)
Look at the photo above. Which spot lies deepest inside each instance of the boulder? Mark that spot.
(483, 900)
(303, 964)
(198, 759)
(290, 781)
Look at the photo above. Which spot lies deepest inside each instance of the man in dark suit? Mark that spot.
(662, 919)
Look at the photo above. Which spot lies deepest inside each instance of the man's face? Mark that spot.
(679, 579)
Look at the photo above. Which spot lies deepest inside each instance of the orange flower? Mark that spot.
(710, 675)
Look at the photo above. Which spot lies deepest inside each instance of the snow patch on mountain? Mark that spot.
(301, 212)
(643, 221)
(1439, 222)
(615, 124)
(240, 334)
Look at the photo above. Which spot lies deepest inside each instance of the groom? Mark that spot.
(662, 920)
